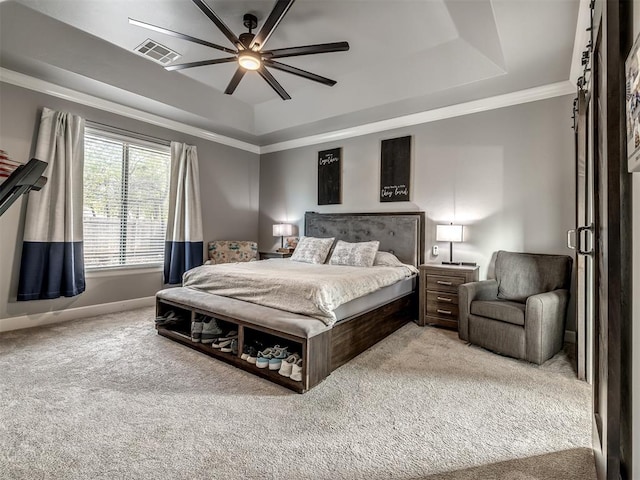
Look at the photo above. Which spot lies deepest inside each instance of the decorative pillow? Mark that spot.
(361, 254)
(230, 251)
(312, 250)
(386, 259)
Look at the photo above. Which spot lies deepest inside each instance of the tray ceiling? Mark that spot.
(406, 56)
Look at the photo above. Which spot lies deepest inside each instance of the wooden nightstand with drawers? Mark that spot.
(439, 292)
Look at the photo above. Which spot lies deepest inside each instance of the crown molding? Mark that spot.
(42, 86)
(485, 104)
(491, 103)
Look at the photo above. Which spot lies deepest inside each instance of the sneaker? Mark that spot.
(226, 340)
(169, 318)
(196, 329)
(210, 330)
(262, 362)
(277, 356)
(296, 371)
(253, 356)
(232, 347)
(245, 352)
(287, 365)
(263, 357)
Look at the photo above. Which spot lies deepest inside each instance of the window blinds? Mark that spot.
(126, 186)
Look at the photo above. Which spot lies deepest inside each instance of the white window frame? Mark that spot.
(138, 140)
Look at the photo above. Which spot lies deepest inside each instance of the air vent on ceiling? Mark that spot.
(156, 52)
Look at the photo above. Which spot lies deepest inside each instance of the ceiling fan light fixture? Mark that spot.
(249, 60)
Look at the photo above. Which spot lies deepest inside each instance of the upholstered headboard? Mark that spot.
(399, 233)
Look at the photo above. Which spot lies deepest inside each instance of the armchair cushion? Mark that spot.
(521, 275)
(503, 310)
(230, 251)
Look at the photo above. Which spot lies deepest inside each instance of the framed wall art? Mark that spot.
(330, 177)
(395, 170)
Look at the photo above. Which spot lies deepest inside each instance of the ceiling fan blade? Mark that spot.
(235, 80)
(300, 73)
(179, 35)
(277, 14)
(202, 63)
(213, 16)
(264, 73)
(307, 50)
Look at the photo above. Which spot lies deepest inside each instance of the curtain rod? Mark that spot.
(129, 133)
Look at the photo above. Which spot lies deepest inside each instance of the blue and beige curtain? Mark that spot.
(52, 253)
(183, 246)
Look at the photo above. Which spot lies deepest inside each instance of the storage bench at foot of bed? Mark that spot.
(323, 348)
(308, 336)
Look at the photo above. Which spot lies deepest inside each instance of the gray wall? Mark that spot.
(229, 186)
(508, 174)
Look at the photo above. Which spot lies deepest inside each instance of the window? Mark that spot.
(126, 191)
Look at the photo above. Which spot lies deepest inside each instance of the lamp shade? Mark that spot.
(282, 229)
(449, 233)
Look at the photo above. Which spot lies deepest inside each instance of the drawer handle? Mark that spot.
(442, 282)
(446, 312)
(444, 299)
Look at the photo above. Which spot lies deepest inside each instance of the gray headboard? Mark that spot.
(399, 233)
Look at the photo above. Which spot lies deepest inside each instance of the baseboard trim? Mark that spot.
(47, 318)
(569, 336)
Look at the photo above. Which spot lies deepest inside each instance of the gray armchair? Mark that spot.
(520, 313)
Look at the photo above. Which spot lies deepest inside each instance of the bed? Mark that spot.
(325, 343)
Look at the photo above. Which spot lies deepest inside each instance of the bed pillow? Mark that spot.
(361, 254)
(386, 259)
(312, 250)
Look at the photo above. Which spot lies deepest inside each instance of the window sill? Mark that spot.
(119, 271)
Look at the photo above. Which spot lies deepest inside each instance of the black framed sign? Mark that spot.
(395, 169)
(330, 177)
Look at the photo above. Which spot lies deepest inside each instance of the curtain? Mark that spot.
(52, 254)
(184, 243)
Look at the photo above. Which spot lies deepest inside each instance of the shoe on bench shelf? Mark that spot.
(279, 354)
(296, 371)
(225, 340)
(232, 347)
(169, 318)
(196, 328)
(211, 331)
(287, 365)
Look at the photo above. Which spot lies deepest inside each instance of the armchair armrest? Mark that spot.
(467, 293)
(545, 317)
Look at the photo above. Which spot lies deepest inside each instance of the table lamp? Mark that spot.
(282, 230)
(449, 233)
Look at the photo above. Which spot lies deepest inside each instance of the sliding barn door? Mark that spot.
(581, 239)
(612, 244)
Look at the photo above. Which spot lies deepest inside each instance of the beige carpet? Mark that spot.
(107, 398)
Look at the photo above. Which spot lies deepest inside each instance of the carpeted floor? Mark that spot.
(107, 398)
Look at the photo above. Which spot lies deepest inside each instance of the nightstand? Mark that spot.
(439, 292)
(266, 255)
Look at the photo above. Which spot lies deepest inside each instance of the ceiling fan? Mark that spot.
(248, 52)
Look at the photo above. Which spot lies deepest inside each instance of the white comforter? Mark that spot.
(308, 289)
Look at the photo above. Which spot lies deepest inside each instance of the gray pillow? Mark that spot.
(521, 275)
(387, 259)
(312, 250)
(361, 254)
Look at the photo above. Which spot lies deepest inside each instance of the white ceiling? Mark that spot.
(406, 56)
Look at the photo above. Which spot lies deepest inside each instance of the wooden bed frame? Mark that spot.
(399, 233)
